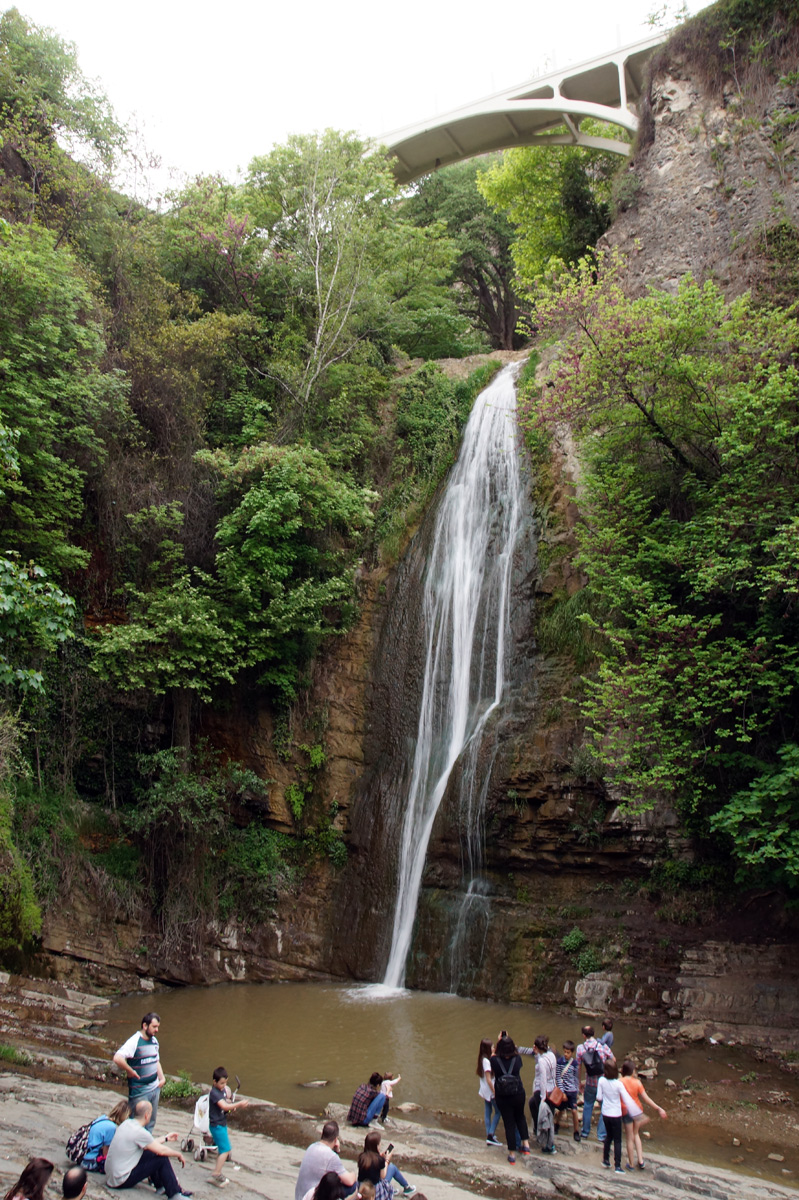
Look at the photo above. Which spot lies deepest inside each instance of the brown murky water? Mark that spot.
(277, 1037)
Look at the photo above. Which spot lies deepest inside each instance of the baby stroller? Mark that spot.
(198, 1140)
(201, 1129)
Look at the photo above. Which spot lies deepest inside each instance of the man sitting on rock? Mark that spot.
(321, 1157)
(367, 1102)
(134, 1154)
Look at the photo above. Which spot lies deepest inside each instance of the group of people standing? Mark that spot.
(556, 1088)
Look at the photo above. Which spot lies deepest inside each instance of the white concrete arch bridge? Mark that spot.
(602, 88)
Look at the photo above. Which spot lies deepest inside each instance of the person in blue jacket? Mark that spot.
(100, 1135)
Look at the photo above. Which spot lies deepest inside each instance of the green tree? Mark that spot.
(59, 136)
(284, 566)
(763, 822)
(556, 197)
(175, 639)
(20, 915)
(321, 202)
(483, 236)
(55, 395)
(686, 410)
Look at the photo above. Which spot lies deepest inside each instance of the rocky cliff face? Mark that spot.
(713, 193)
(705, 196)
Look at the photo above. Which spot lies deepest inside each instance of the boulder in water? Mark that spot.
(316, 1083)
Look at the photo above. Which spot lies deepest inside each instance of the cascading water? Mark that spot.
(466, 602)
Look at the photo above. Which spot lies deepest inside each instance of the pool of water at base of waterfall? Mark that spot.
(279, 1036)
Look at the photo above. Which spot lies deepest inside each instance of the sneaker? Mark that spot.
(493, 1141)
(642, 1166)
(629, 1167)
(526, 1151)
(183, 1192)
(409, 1190)
(511, 1158)
(548, 1150)
(619, 1171)
(218, 1180)
(606, 1164)
(376, 1125)
(578, 1137)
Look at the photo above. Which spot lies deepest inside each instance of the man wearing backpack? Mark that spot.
(591, 1056)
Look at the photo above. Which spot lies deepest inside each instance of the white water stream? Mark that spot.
(466, 617)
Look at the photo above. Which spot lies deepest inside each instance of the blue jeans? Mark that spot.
(153, 1095)
(491, 1116)
(393, 1172)
(601, 1132)
(589, 1100)
(376, 1107)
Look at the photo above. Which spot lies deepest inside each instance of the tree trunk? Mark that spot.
(181, 722)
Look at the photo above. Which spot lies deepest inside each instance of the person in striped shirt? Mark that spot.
(139, 1057)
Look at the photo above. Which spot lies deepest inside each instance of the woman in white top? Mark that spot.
(616, 1102)
(486, 1092)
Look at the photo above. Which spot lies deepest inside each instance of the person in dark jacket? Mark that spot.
(364, 1107)
(506, 1067)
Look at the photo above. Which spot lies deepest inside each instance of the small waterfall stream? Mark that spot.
(466, 601)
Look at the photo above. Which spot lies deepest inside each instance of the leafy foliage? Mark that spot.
(20, 915)
(54, 395)
(181, 1088)
(686, 409)
(558, 200)
(574, 941)
(763, 820)
(483, 238)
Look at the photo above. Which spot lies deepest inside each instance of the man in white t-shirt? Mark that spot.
(321, 1157)
(134, 1154)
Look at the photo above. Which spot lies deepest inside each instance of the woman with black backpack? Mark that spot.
(506, 1067)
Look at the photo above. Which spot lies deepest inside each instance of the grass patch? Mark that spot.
(19, 1058)
(181, 1088)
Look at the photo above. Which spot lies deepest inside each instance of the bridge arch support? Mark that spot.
(604, 88)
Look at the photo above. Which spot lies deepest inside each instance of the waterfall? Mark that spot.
(466, 600)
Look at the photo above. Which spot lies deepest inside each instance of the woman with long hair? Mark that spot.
(506, 1067)
(101, 1135)
(486, 1092)
(372, 1169)
(633, 1121)
(388, 1170)
(329, 1187)
(32, 1182)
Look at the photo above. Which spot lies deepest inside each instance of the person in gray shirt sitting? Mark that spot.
(134, 1154)
(321, 1157)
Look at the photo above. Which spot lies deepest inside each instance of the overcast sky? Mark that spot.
(213, 84)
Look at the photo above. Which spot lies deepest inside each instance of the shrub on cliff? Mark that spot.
(20, 916)
(686, 411)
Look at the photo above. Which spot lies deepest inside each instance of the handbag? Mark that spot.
(556, 1096)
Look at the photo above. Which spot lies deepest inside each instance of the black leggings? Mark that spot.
(158, 1169)
(535, 1104)
(612, 1134)
(512, 1111)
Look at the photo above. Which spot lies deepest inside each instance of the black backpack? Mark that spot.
(592, 1061)
(77, 1143)
(507, 1085)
